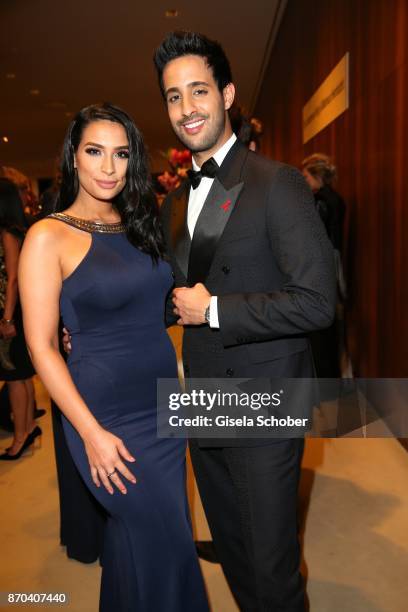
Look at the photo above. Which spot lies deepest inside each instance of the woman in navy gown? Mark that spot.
(99, 261)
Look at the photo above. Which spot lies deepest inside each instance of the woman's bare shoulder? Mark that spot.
(47, 231)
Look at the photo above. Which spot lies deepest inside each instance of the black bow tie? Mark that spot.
(209, 168)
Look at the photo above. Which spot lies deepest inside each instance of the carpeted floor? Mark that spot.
(354, 509)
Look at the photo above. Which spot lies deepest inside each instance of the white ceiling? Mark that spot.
(77, 52)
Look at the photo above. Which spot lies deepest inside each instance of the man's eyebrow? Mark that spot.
(171, 90)
(95, 144)
(192, 84)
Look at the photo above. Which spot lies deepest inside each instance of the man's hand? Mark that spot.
(190, 304)
(66, 340)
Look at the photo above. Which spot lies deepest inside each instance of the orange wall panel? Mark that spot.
(369, 145)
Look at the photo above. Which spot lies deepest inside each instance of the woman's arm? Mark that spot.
(11, 247)
(40, 281)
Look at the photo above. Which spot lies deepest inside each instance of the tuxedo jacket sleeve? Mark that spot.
(300, 249)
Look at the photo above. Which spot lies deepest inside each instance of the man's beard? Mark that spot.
(210, 139)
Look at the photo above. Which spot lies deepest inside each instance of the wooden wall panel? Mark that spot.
(369, 145)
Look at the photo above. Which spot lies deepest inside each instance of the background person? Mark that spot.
(15, 364)
(327, 344)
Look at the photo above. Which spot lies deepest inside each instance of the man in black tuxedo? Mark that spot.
(254, 273)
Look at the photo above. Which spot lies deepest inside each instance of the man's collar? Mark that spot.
(221, 153)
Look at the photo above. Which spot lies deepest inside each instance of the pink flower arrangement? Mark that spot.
(179, 162)
(179, 159)
(169, 181)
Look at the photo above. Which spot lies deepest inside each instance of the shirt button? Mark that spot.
(226, 269)
(230, 372)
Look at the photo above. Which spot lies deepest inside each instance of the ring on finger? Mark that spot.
(111, 474)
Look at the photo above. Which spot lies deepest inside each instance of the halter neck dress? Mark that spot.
(113, 305)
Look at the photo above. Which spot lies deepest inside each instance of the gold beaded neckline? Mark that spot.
(89, 226)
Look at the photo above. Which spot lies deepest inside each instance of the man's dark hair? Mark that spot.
(177, 44)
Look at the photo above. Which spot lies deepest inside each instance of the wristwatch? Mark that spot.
(207, 314)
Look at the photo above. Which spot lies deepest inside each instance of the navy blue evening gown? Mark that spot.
(113, 305)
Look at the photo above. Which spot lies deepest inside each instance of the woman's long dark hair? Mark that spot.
(136, 203)
(12, 217)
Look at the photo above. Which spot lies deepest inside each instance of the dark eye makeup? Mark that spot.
(124, 154)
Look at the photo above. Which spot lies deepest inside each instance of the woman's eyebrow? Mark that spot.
(95, 144)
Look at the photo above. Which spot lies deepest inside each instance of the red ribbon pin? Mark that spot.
(226, 205)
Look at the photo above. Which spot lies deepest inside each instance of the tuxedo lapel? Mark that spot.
(210, 225)
(180, 236)
(215, 213)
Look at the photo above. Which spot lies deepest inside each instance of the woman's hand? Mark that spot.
(105, 452)
(7, 330)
